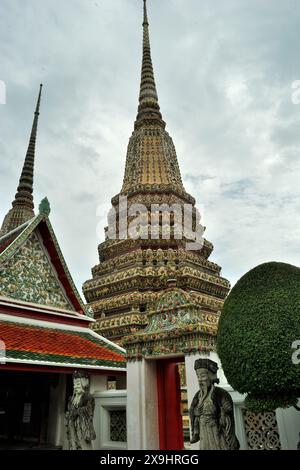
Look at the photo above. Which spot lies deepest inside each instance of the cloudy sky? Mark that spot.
(224, 72)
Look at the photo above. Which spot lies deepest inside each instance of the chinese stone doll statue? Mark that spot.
(211, 411)
(80, 413)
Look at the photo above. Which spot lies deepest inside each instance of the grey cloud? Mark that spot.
(224, 72)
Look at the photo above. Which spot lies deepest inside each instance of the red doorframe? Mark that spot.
(169, 404)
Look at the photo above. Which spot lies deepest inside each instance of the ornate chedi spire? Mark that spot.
(133, 273)
(148, 110)
(151, 156)
(22, 206)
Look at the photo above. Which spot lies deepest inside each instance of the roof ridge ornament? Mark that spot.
(44, 207)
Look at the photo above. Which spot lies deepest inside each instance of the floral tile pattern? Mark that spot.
(29, 276)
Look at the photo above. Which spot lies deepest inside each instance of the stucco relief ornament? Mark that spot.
(90, 312)
(80, 414)
(211, 411)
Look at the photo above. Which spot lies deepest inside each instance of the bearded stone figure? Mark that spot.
(211, 411)
(80, 414)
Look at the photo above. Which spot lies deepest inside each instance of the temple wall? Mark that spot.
(56, 420)
(98, 384)
(289, 427)
(142, 416)
(110, 420)
(109, 405)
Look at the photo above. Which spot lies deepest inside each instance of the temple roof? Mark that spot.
(43, 321)
(32, 342)
(33, 269)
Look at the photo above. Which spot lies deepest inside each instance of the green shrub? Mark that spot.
(259, 322)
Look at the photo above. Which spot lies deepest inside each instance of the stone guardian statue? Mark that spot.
(80, 414)
(211, 411)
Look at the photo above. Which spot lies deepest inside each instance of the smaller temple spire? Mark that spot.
(148, 109)
(22, 206)
(25, 188)
(145, 14)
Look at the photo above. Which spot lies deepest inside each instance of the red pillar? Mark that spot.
(169, 404)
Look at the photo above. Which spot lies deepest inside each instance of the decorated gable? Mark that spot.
(29, 275)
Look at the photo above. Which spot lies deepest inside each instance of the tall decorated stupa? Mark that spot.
(137, 275)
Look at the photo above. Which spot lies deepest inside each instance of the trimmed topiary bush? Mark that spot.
(259, 322)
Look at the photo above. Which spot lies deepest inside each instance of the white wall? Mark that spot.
(289, 427)
(142, 407)
(105, 402)
(56, 420)
(98, 383)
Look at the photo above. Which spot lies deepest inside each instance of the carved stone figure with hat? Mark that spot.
(211, 411)
(79, 417)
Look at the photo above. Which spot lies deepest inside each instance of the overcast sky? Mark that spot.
(224, 71)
